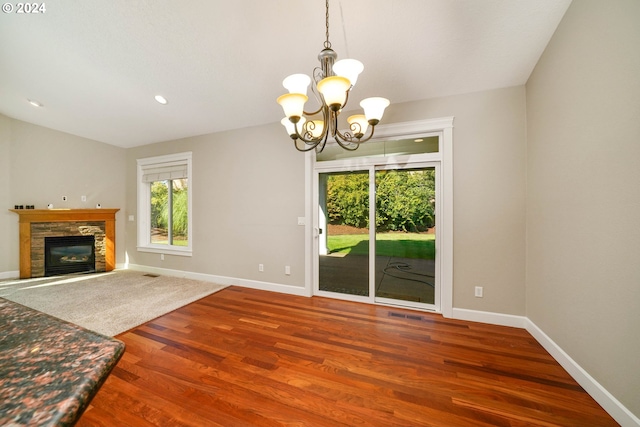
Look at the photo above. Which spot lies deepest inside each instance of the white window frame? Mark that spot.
(144, 204)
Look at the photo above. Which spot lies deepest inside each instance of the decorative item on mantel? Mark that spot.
(333, 84)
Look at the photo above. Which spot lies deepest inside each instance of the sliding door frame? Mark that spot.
(443, 128)
(436, 165)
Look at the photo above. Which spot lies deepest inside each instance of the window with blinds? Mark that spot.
(164, 204)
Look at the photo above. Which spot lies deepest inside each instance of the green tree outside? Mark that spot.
(405, 200)
(160, 210)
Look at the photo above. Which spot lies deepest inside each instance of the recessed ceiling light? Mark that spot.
(161, 99)
(34, 103)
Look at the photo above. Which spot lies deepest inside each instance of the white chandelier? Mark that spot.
(333, 83)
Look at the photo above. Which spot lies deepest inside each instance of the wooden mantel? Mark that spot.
(29, 216)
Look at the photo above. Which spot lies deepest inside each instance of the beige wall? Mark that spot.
(489, 176)
(583, 203)
(6, 218)
(45, 165)
(248, 192)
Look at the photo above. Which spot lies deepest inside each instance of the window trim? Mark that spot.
(144, 204)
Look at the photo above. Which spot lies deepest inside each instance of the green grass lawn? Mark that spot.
(402, 245)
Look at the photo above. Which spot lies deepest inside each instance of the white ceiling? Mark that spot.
(97, 65)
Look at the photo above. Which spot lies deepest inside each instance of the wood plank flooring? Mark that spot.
(243, 357)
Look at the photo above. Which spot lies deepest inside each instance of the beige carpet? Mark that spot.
(108, 303)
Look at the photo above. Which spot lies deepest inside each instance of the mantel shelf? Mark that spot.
(53, 215)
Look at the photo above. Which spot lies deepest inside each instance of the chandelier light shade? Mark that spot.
(297, 83)
(331, 86)
(334, 91)
(349, 68)
(293, 105)
(374, 109)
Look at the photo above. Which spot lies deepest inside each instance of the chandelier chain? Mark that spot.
(327, 43)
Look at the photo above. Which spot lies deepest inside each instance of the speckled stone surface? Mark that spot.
(49, 369)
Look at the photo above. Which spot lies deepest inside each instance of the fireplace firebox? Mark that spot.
(69, 254)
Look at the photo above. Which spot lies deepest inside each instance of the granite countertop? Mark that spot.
(50, 369)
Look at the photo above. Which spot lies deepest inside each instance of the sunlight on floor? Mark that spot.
(48, 281)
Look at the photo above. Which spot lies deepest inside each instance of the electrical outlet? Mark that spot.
(287, 270)
(479, 290)
(161, 257)
(260, 267)
(83, 198)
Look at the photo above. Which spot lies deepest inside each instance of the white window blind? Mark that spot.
(152, 173)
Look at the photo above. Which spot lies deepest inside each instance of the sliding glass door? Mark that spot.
(405, 238)
(343, 233)
(376, 234)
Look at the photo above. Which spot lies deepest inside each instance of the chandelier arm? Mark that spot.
(361, 140)
(346, 99)
(346, 141)
(346, 146)
(311, 147)
(346, 137)
(323, 143)
(327, 116)
(325, 131)
(318, 75)
(306, 135)
(311, 141)
(307, 114)
(349, 138)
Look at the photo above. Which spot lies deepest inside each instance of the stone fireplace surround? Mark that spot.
(36, 224)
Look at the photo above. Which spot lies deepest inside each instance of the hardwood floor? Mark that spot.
(243, 357)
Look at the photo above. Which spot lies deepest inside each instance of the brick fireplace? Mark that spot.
(37, 224)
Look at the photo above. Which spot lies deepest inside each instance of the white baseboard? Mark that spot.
(489, 317)
(605, 399)
(223, 280)
(9, 275)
